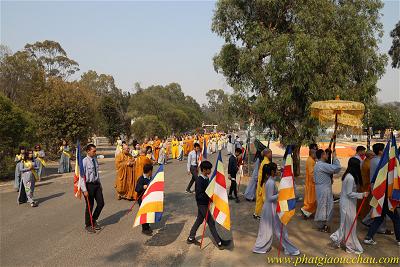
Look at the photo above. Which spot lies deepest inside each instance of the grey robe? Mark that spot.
(17, 177)
(270, 224)
(348, 211)
(323, 188)
(250, 192)
(27, 185)
(65, 161)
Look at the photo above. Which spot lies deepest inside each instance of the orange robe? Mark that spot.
(124, 180)
(310, 200)
(365, 169)
(156, 150)
(190, 144)
(140, 162)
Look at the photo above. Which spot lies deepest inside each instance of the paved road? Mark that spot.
(53, 234)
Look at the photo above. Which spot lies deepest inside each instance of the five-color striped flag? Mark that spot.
(79, 172)
(286, 197)
(393, 176)
(152, 206)
(203, 155)
(216, 190)
(379, 183)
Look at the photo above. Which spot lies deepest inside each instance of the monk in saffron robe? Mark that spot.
(156, 149)
(124, 166)
(141, 160)
(260, 192)
(190, 144)
(174, 148)
(310, 199)
(366, 182)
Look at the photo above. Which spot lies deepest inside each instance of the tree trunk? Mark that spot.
(296, 160)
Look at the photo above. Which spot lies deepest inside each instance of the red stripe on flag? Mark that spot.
(379, 191)
(143, 218)
(157, 186)
(278, 207)
(220, 179)
(216, 212)
(287, 171)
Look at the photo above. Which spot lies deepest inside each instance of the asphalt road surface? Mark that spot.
(53, 234)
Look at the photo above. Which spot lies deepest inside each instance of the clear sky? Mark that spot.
(145, 42)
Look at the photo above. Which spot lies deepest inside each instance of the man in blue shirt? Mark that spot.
(92, 189)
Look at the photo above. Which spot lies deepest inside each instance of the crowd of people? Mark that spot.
(134, 166)
(319, 199)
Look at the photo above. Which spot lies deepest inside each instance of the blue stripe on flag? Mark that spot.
(291, 204)
(157, 216)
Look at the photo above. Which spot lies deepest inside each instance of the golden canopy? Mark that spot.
(340, 112)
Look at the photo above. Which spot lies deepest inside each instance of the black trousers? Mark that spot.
(393, 215)
(201, 214)
(233, 188)
(195, 172)
(95, 193)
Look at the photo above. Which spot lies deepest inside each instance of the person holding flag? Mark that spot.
(270, 222)
(141, 186)
(203, 202)
(348, 207)
(386, 192)
(91, 188)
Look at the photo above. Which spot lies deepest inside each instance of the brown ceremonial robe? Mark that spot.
(124, 181)
(365, 188)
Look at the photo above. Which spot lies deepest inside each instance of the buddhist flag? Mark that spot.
(203, 155)
(152, 206)
(286, 197)
(79, 172)
(379, 182)
(216, 190)
(393, 176)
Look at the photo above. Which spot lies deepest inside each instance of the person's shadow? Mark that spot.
(43, 199)
(114, 218)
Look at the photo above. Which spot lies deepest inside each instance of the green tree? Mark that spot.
(177, 112)
(218, 109)
(66, 112)
(20, 77)
(287, 54)
(148, 125)
(52, 58)
(17, 127)
(394, 51)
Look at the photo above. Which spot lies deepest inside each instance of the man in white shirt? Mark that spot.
(192, 165)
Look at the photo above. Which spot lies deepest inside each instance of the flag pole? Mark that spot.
(355, 219)
(90, 212)
(205, 222)
(134, 203)
(280, 241)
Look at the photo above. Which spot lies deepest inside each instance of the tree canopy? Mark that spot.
(286, 54)
(176, 112)
(394, 51)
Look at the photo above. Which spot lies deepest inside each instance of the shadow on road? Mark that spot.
(43, 199)
(113, 219)
(126, 253)
(166, 235)
(41, 184)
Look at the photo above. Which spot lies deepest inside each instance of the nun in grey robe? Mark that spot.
(348, 211)
(270, 224)
(250, 193)
(65, 160)
(323, 188)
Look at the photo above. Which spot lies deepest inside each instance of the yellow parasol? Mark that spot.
(339, 112)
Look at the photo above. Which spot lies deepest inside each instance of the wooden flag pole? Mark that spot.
(205, 222)
(134, 203)
(90, 212)
(280, 241)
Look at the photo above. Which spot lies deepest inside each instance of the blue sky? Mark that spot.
(145, 42)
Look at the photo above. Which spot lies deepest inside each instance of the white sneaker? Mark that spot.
(398, 243)
(369, 242)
